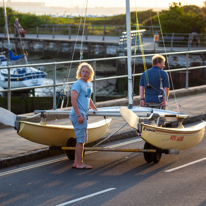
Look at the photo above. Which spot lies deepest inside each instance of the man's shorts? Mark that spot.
(195, 36)
(80, 129)
(160, 120)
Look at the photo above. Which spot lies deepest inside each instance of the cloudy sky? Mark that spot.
(113, 3)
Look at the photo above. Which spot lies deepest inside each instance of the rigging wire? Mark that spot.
(153, 34)
(81, 50)
(81, 57)
(166, 58)
(141, 47)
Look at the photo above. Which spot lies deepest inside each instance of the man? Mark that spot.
(81, 101)
(16, 27)
(195, 37)
(154, 84)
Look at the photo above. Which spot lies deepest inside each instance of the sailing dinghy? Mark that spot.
(158, 140)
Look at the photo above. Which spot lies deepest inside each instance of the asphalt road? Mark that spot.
(116, 179)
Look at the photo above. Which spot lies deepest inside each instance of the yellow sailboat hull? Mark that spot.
(173, 138)
(54, 135)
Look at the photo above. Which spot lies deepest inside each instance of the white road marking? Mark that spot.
(85, 197)
(61, 159)
(32, 166)
(185, 165)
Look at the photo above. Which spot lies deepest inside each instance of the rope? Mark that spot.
(167, 58)
(81, 50)
(81, 55)
(142, 50)
(153, 34)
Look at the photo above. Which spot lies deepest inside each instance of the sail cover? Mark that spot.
(14, 58)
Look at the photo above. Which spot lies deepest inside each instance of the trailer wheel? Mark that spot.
(147, 155)
(155, 156)
(71, 153)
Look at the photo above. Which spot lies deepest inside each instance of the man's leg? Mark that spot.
(79, 157)
(79, 154)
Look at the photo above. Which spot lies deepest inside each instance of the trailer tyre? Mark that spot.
(155, 156)
(147, 155)
(71, 153)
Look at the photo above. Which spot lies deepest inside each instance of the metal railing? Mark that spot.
(179, 40)
(69, 29)
(93, 62)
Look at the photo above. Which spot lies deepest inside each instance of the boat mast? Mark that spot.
(129, 68)
(6, 24)
(7, 30)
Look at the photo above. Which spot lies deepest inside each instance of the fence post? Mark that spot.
(120, 31)
(53, 31)
(54, 85)
(187, 73)
(155, 46)
(103, 33)
(69, 29)
(9, 90)
(86, 33)
(37, 32)
(172, 40)
(94, 84)
(2, 45)
(189, 42)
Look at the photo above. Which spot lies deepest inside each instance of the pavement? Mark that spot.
(15, 150)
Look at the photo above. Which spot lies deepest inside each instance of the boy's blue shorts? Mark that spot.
(80, 129)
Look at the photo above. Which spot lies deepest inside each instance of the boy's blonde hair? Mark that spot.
(157, 59)
(89, 69)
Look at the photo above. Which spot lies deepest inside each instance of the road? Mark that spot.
(116, 179)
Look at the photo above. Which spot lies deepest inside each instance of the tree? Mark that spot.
(175, 20)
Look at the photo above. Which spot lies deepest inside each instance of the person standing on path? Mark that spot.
(81, 101)
(154, 85)
(195, 37)
(16, 27)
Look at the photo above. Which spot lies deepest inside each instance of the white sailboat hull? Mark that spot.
(24, 83)
(27, 79)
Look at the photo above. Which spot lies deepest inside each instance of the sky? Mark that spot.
(113, 3)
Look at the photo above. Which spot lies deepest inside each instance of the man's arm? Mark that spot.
(91, 105)
(141, 91)
(166, 89)
(74, 96)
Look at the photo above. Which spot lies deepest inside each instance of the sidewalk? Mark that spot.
(16, 150)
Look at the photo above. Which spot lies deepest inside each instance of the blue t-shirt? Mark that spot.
(154, 75)
(84, 90)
